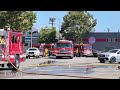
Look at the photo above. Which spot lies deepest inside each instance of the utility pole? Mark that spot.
(52, 20)
(59, 28)
(31, 37)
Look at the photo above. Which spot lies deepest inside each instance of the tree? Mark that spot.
(47, 35)
(18, 20)
(76, 24)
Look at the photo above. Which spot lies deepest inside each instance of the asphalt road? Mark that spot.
(76, 68)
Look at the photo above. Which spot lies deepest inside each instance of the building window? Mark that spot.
(109, 40)
(113, 40)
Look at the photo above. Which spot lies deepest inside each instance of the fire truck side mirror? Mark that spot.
(23, 39)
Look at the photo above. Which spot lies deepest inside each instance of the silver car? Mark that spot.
(112, 56)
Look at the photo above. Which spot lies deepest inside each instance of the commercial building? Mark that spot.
(103, 41)
(35, 37)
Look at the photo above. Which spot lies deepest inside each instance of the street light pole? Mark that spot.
(31, 37)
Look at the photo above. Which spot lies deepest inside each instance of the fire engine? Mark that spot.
(64, 48)
(87, 50)
(11, 48)
(43, 46)
(83, 49)
(49, 47)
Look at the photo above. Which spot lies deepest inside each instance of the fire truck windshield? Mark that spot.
(63, 45)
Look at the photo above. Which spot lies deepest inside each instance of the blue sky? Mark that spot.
(105, 19)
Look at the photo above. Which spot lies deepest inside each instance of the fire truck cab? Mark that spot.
(11, 49)
(64, 48)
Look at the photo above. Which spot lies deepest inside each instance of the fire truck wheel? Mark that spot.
(71, 57)
(16, 63)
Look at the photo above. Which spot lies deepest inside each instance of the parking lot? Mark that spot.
(52, 68)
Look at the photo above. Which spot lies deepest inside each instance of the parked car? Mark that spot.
(32, 52)
(112, 56)
(96, 52)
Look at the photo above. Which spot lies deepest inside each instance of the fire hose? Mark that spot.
(52, 74)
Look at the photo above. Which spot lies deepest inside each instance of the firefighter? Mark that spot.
(46, 52)
(76, 52)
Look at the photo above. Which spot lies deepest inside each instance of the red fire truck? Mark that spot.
(43, 46)
(83, 49)
(87, 50)
(64, 48)
(11, 49)
(49, 47)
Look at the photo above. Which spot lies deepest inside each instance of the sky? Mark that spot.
(105, 19)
